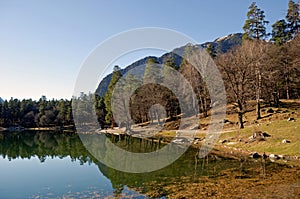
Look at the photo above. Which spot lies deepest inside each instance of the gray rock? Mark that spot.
(284, 141)
(224, 141)
(273, 156)
(259, 136)
(265, 134)
(194, 127)
(227, 121)
(291, 119)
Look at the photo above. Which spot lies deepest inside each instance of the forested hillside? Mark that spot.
(255, 65)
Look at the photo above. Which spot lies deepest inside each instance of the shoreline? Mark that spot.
(56, 128)
(218, 148)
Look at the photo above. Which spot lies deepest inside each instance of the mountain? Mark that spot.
(222, 45)
(1, 100)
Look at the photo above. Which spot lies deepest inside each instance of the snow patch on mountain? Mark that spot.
(225, 37)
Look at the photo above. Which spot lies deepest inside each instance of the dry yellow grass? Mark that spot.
(275, 124)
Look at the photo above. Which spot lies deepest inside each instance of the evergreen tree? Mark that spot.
(211, 50)
(107, 98)
(153, 76)
(153, 71)
(280, 32)
(293, 18)
(169, 64)
(255, 25)
(126, 87)
(255, 29)
(170, 61)
(100, 110)
(62, 114)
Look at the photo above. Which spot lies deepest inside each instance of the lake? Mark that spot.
(56, 165)
(50, 165)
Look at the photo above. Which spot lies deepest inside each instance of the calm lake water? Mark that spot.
(51, 165)
(56, 165)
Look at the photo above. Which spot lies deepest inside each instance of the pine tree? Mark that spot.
(211, 50)
(280, 32)
(170, 61)
(107, 98)
(153, 71)
(255, 25)
(126, 87)
(293, 18)
(255, 29)
(100, 110)
(168, 65)
(153, 77)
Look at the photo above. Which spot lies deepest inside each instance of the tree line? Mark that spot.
(31, 113)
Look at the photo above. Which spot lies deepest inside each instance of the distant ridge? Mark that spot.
(1, 100)
(225, 43)
(221, 44)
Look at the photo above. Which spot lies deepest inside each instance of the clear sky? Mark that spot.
(43, 43)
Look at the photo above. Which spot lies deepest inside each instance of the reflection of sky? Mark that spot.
(23, 178)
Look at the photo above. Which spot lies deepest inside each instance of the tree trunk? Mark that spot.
(258, 116)
(258, 95)
(151, 116)
(287, 92)
(287, 80)
(112, 122)
(240, 114)
(205, 107)
(158, 116)
(241, 124)
(276, 99)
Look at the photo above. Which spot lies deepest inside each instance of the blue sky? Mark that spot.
(44, 43)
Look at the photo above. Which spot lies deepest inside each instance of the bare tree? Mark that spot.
(237, 70)
(294, 67)
(258, 53)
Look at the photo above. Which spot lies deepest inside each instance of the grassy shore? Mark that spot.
(275, 124)
(278, 130)
(281, 179)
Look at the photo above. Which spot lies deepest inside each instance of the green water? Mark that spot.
(56, 165)
(51, 165)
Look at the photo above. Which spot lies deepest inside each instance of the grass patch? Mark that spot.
(278, 130)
